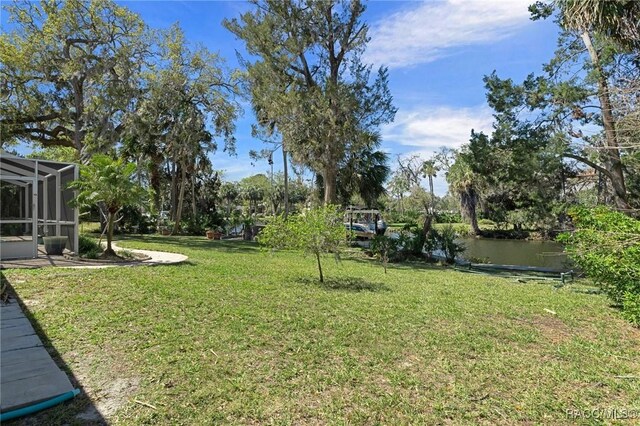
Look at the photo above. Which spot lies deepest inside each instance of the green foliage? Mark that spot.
(431, 243)
(412, 243)
(109, 183)
(466, 184)
(88, 247)
(385, 249)
(459, 228)
(135, 221)
(363, 173)
(316, 93)
(70, 70)
(215, 220)
(64, 154)
(631, 308)
(416, 243)
(409, 216)
(591, 82)
(446, 241)
(450, 217)
(318, 231)
(606, 245)
(187, 107)
(195, 225)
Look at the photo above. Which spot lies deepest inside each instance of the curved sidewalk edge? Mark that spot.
(155, 258)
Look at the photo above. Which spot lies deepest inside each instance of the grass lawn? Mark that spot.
(243, 337)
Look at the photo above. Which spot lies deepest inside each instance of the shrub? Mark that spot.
(448, 217)
(319, 231)
(463, 229)
(446, 239)
(195, 225)
(108, 182)
(386, 249)
(88, 247)
(416, 243)
(134, 221)
(631, 308)
(606, 245)
(486, 222)
(431, 243)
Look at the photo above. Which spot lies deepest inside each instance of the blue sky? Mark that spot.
(437, 53)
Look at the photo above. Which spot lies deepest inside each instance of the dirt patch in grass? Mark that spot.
(552, 328)
(109, 398)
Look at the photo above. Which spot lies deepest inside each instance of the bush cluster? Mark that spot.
(317, 231)
(415, 244)
(606, 245)
(88, 247)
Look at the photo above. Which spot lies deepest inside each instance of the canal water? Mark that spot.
(546, 254)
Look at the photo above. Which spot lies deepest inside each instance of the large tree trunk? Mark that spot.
(154, 181)
(427, 225)
(174, 190)
(77, 83)
(611, 155)
(433, 196)
(468, 201)
(176, 225)
(329, 178)
(193, 195)
(110, 220)
(286, 182)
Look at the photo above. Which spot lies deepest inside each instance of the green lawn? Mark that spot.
(243, 337)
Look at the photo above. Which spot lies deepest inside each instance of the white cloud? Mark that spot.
(426, 129)
(429, 31)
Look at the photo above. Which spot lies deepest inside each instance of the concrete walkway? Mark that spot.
(156, 257)
(44, 260)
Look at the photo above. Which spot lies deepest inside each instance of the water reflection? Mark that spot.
(547, 254)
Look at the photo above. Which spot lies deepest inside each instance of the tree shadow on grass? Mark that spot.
(197, 243)
(184, 263)
(405, 265)
(353, 284)
(78, 410)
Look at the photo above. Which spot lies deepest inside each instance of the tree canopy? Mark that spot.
(309, 81)
(69, 72)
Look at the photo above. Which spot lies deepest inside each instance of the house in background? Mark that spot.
(35, 203)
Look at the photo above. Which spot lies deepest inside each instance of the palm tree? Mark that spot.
(619, 20)
(399, 186)
(110, 182)
(463, 182)
(430, 170)
(229, 192)
(189, 142)
(364, 174)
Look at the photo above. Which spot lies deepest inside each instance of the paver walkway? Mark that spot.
(27, 373)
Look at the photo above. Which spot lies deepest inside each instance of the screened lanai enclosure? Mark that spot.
(35, 205)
